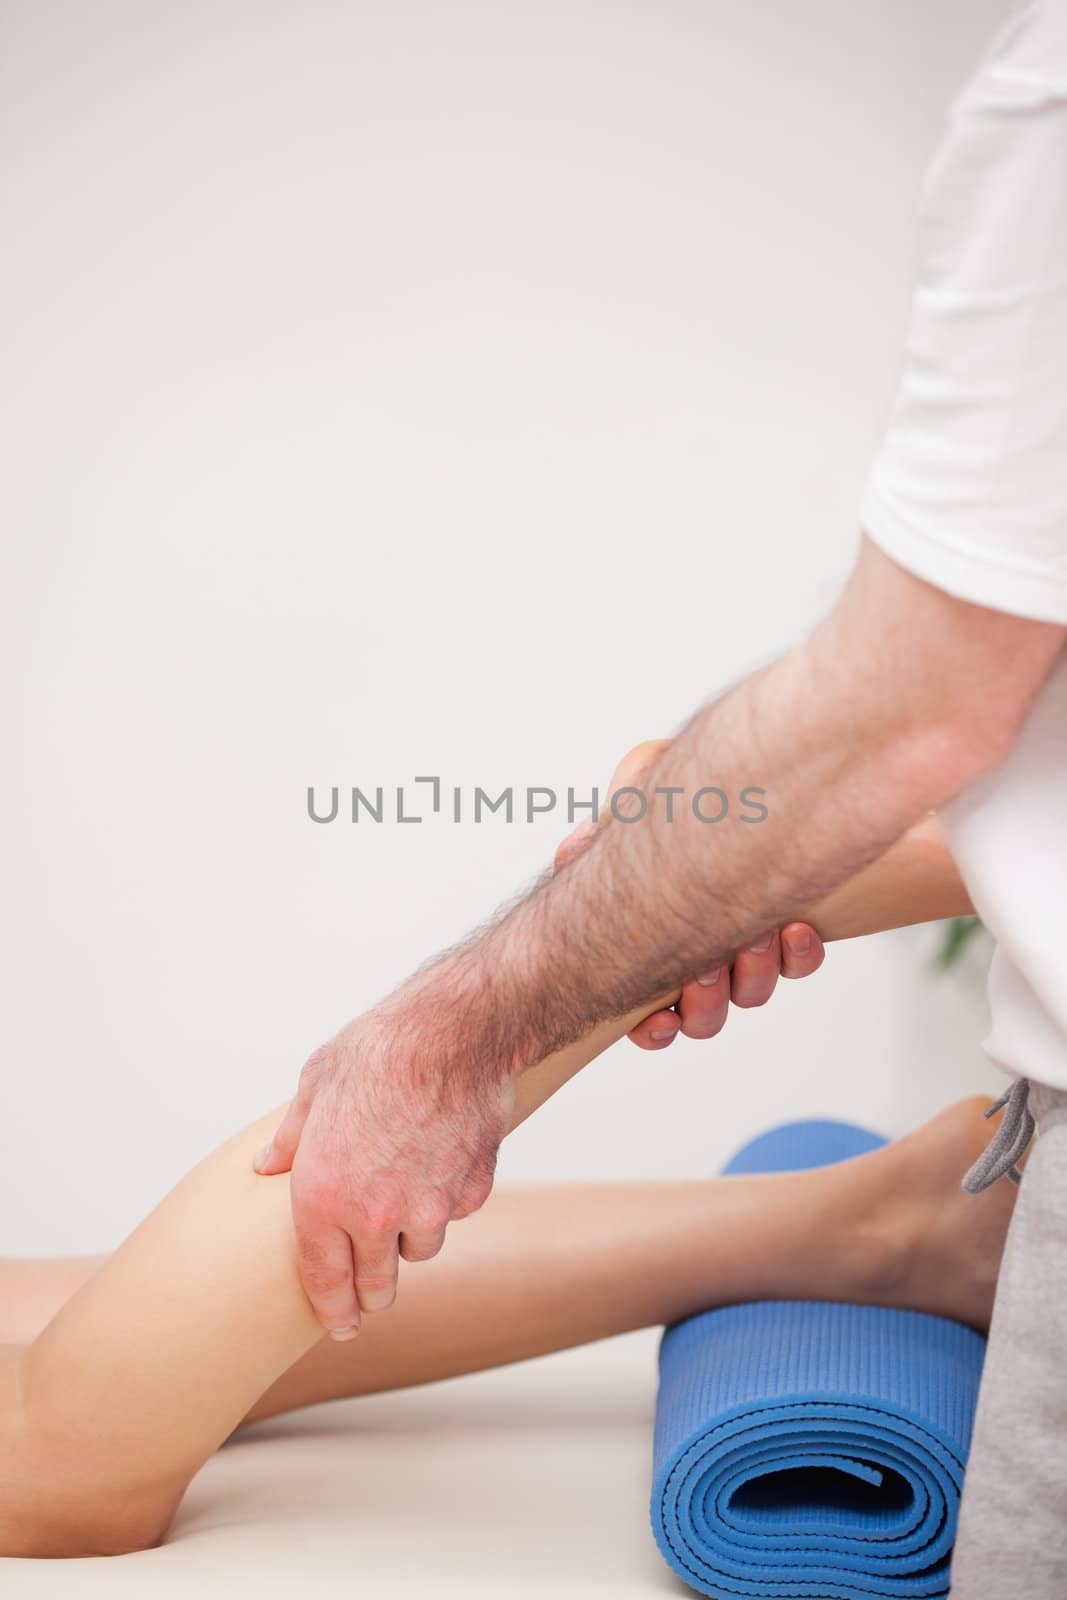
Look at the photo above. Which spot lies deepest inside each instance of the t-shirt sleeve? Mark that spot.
(969, 488)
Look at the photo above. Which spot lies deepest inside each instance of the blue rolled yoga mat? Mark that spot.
(811, 1451)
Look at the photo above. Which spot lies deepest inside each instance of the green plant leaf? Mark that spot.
(958, 934)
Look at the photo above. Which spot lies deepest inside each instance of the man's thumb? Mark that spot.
(278, 1155)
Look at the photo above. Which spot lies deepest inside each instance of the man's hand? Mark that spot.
(897, 701)
(386, 1148)
(794, 952)
(388, 1140)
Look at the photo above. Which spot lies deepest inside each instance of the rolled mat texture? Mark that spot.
(806, 1450)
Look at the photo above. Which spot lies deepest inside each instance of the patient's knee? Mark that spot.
(59, 1526)
(52, 1502)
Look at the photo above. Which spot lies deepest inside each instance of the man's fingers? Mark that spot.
(421, 1245)
(705, 1004)
(802, 950)
(376, 1268)
(278, 1155)
(755, 971)
(325, 1255)
(657, 1031)
(702, 1011)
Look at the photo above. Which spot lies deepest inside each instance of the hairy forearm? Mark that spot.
(897, 701)
(916, 880)
(652, 904)
(880, 716)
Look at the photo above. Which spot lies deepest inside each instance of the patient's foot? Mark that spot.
(943, 1246)
(31, 1292)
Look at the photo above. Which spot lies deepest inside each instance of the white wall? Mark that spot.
(406, 388)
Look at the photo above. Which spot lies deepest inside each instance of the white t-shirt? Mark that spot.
(969, 489)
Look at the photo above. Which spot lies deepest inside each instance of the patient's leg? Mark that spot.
(159, 1355)
(199, 1320)
(544, 1268)
(32, 1291)
(152, 1362)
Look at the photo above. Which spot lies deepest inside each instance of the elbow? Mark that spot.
(953, 680)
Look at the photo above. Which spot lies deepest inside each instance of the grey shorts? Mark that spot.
(1012, 1540)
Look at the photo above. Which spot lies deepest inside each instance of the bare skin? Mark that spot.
(900, 699)
(917, 1236)
(199, 1322)
(916, 880)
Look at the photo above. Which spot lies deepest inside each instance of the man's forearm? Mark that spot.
(654, 903)
(886, 711)
(916, 880)
(898, 699)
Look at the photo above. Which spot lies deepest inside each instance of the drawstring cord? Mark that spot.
(1001, 1156)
